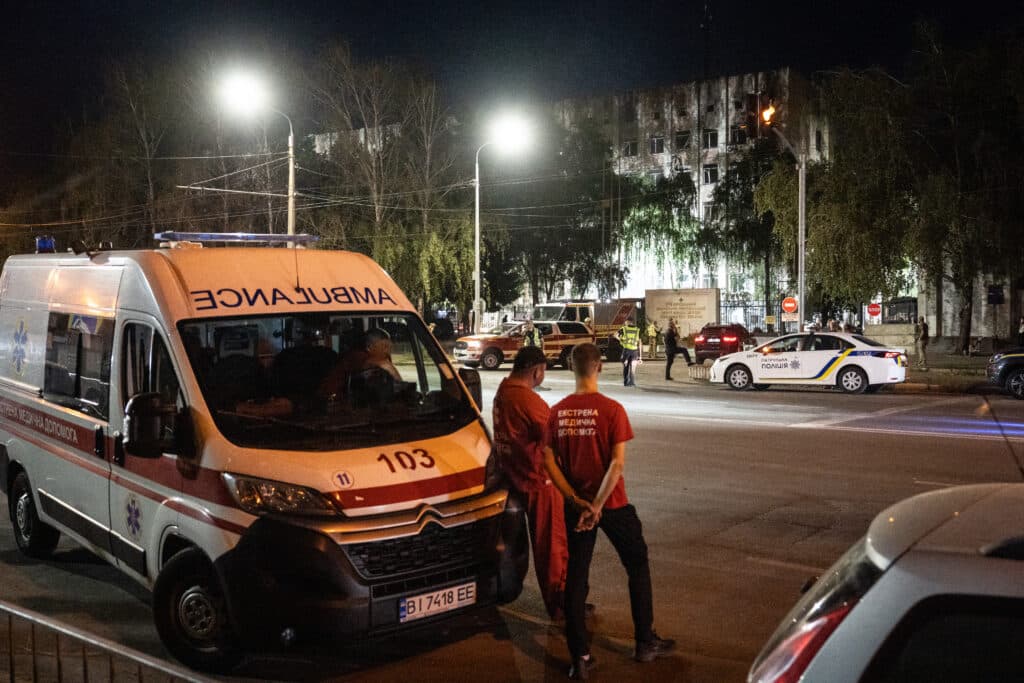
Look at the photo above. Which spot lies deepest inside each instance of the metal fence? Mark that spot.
(35, 648)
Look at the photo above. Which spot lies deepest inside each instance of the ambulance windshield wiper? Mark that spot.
(315, 427)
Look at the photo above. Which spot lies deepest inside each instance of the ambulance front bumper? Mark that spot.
(306, 581)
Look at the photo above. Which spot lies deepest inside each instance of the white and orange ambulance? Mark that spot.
(268, 438)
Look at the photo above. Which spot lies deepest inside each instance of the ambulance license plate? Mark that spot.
(429, 604)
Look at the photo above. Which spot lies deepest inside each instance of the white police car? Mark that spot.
(933, 592)
(849, 361)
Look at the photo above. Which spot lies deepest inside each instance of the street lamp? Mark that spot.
(244, 94)
(801, 232)
(508, 133)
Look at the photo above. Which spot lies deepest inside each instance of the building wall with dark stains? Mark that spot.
(696, 127)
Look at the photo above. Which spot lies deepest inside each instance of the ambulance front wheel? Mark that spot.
(191, 614)
(35, 538)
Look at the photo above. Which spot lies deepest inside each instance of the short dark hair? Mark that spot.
(585, 359)
(528, 357)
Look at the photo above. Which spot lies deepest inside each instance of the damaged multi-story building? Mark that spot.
(697, 128)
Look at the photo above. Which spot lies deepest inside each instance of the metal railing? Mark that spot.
(36, 648)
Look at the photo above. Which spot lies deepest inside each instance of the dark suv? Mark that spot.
(717, 339)
(1006, 369)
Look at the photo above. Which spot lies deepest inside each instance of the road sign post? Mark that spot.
(791, 311)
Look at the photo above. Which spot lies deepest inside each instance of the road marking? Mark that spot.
(786, 565)
(885, 412)
(708, 418)
(916, 432)
(940, 484)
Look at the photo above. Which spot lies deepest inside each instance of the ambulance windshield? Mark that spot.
(324, 381)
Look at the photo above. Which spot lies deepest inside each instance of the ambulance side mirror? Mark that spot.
(149, 426)
(471, 378)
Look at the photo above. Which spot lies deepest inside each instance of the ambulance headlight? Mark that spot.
(262, 496)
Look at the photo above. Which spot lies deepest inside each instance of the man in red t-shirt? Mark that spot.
(520, 437)
(588, 433)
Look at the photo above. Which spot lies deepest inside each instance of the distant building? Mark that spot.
(696, 128)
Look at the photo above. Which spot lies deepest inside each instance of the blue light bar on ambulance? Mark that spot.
(234, 237)
(45, 244)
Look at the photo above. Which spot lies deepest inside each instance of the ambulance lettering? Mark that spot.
(228, 297)
(407, 461)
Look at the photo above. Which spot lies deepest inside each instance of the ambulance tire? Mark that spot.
(191, 614)
(34, 537)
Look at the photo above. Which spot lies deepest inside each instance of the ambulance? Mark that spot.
(268, 438)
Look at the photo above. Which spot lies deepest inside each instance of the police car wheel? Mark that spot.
(852, 381)
(34, 537)
(191, 615)
(490, 360)
(1015, 383)
(738, 377)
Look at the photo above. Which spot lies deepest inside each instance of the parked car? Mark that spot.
(933, 592)
(849, 362)
(1007, 370)
(718, 339)
(489, 350)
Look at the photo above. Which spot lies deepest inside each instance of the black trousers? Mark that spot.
(623, 529)
(629, 358)
(670, 355)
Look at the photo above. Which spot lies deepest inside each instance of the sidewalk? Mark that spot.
(947, 373)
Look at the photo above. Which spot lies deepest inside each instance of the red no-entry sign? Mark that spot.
(789, 305)
(874, 310)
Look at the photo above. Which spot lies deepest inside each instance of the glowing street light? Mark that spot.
(509, 133)
(245, 94)
(801, 237)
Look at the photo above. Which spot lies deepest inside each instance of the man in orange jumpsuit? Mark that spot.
(520, 437)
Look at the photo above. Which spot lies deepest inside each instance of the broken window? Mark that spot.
(657, 145)
(738, 135)
(629, 148)
(710, 138)
(682, 139)
(710, 174)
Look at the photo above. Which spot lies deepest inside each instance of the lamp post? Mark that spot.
(801, 232)
(245, 94)
(508, 132)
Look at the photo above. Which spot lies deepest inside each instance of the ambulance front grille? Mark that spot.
(435, 547)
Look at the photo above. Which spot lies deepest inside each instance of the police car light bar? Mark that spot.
(234, 237)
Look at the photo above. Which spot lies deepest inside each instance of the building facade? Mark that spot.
(696, 128)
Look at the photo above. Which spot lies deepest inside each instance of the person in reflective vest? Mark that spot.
(629, 337)
(532, 336)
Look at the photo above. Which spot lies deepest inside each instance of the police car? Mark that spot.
(850, 362)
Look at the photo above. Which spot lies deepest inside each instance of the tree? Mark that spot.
(556, 215)
(966, 147)
(740, 232)
(859, 204)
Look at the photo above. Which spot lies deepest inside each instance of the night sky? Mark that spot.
(53, 52)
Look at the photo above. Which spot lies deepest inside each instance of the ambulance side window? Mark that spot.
(147, 365)
(78, 350)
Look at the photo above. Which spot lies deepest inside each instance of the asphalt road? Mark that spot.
(743, 497)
